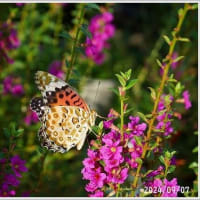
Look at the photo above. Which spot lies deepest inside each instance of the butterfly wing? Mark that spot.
(56, 92)
(37, 105)
(64, 127)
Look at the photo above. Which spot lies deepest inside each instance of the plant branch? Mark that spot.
(160, 90)
(75, 42)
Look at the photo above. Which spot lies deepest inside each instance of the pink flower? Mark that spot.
(30, 118)
(8, 40)
(111, 150)
(9, 86)
(170, 188)
(101, 29)
(98, 193)
(187, 101)
(10, 179)
(18, 165)
(118, 175)
(92, 158)
(6, 192)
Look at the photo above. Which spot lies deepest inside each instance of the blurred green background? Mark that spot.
(137, 44)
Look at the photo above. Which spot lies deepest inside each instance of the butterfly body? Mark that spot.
(64, 115)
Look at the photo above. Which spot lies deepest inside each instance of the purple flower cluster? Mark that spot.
(55, 68)
(187, 102)
(102, 29)
(8, 41)
(10, 180)
(165, 187)
(164, 117)
(30, 118)
(11, 86)
(109, 164)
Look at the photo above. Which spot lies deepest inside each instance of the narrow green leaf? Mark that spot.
(184, 39)
(193, 165)
(121, 80)
(115, 91)
(159, 63)
(195, 150)
(131, 83)
(166, 38)
(84, 29)
(101, 125)
(153, 93)
(171, 169)
(194, 6)
(178, 58)
(139, 160)
(138, 140)
(128, 74)
(66, 35)
(19, 132)
(142, 116)
(92, 6)
(162, 160)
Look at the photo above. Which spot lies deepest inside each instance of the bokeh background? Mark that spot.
(136, 44)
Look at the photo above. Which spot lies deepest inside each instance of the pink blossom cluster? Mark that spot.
(109, 163)
(30, 118)
(164, 188)
(8, 41)
(164, 118)
(12, 86)
(9, 178)
(102, 29)
(186, 97)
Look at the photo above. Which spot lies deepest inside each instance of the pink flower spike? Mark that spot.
(187, 101)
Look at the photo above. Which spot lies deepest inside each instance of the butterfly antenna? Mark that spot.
(106, 118)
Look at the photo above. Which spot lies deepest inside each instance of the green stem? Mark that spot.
(73, 54)
(122, 118)
(160, 91)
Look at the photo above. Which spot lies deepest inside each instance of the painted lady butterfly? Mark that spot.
(64, 115)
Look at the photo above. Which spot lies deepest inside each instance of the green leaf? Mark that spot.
(178, 58)
(171, 169)
(138, 140)
(166, 38)
(142, 116)
(121, 80)
(162, 160)
(84, 29)
(184, 39)
(19, 132)
(129, 110)
(115, 91)
(159, 63)
(139, 160)
(193, 165)
(128, 74)
(168, 155)
(153, 93)
(194, 6)
(66, 35)
(92, 6)
(101, 125)
(131, 83)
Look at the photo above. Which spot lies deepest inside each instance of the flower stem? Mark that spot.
(160, 90)
(75, 42)
(122, 118)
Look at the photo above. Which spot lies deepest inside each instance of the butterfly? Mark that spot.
(65, 117)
